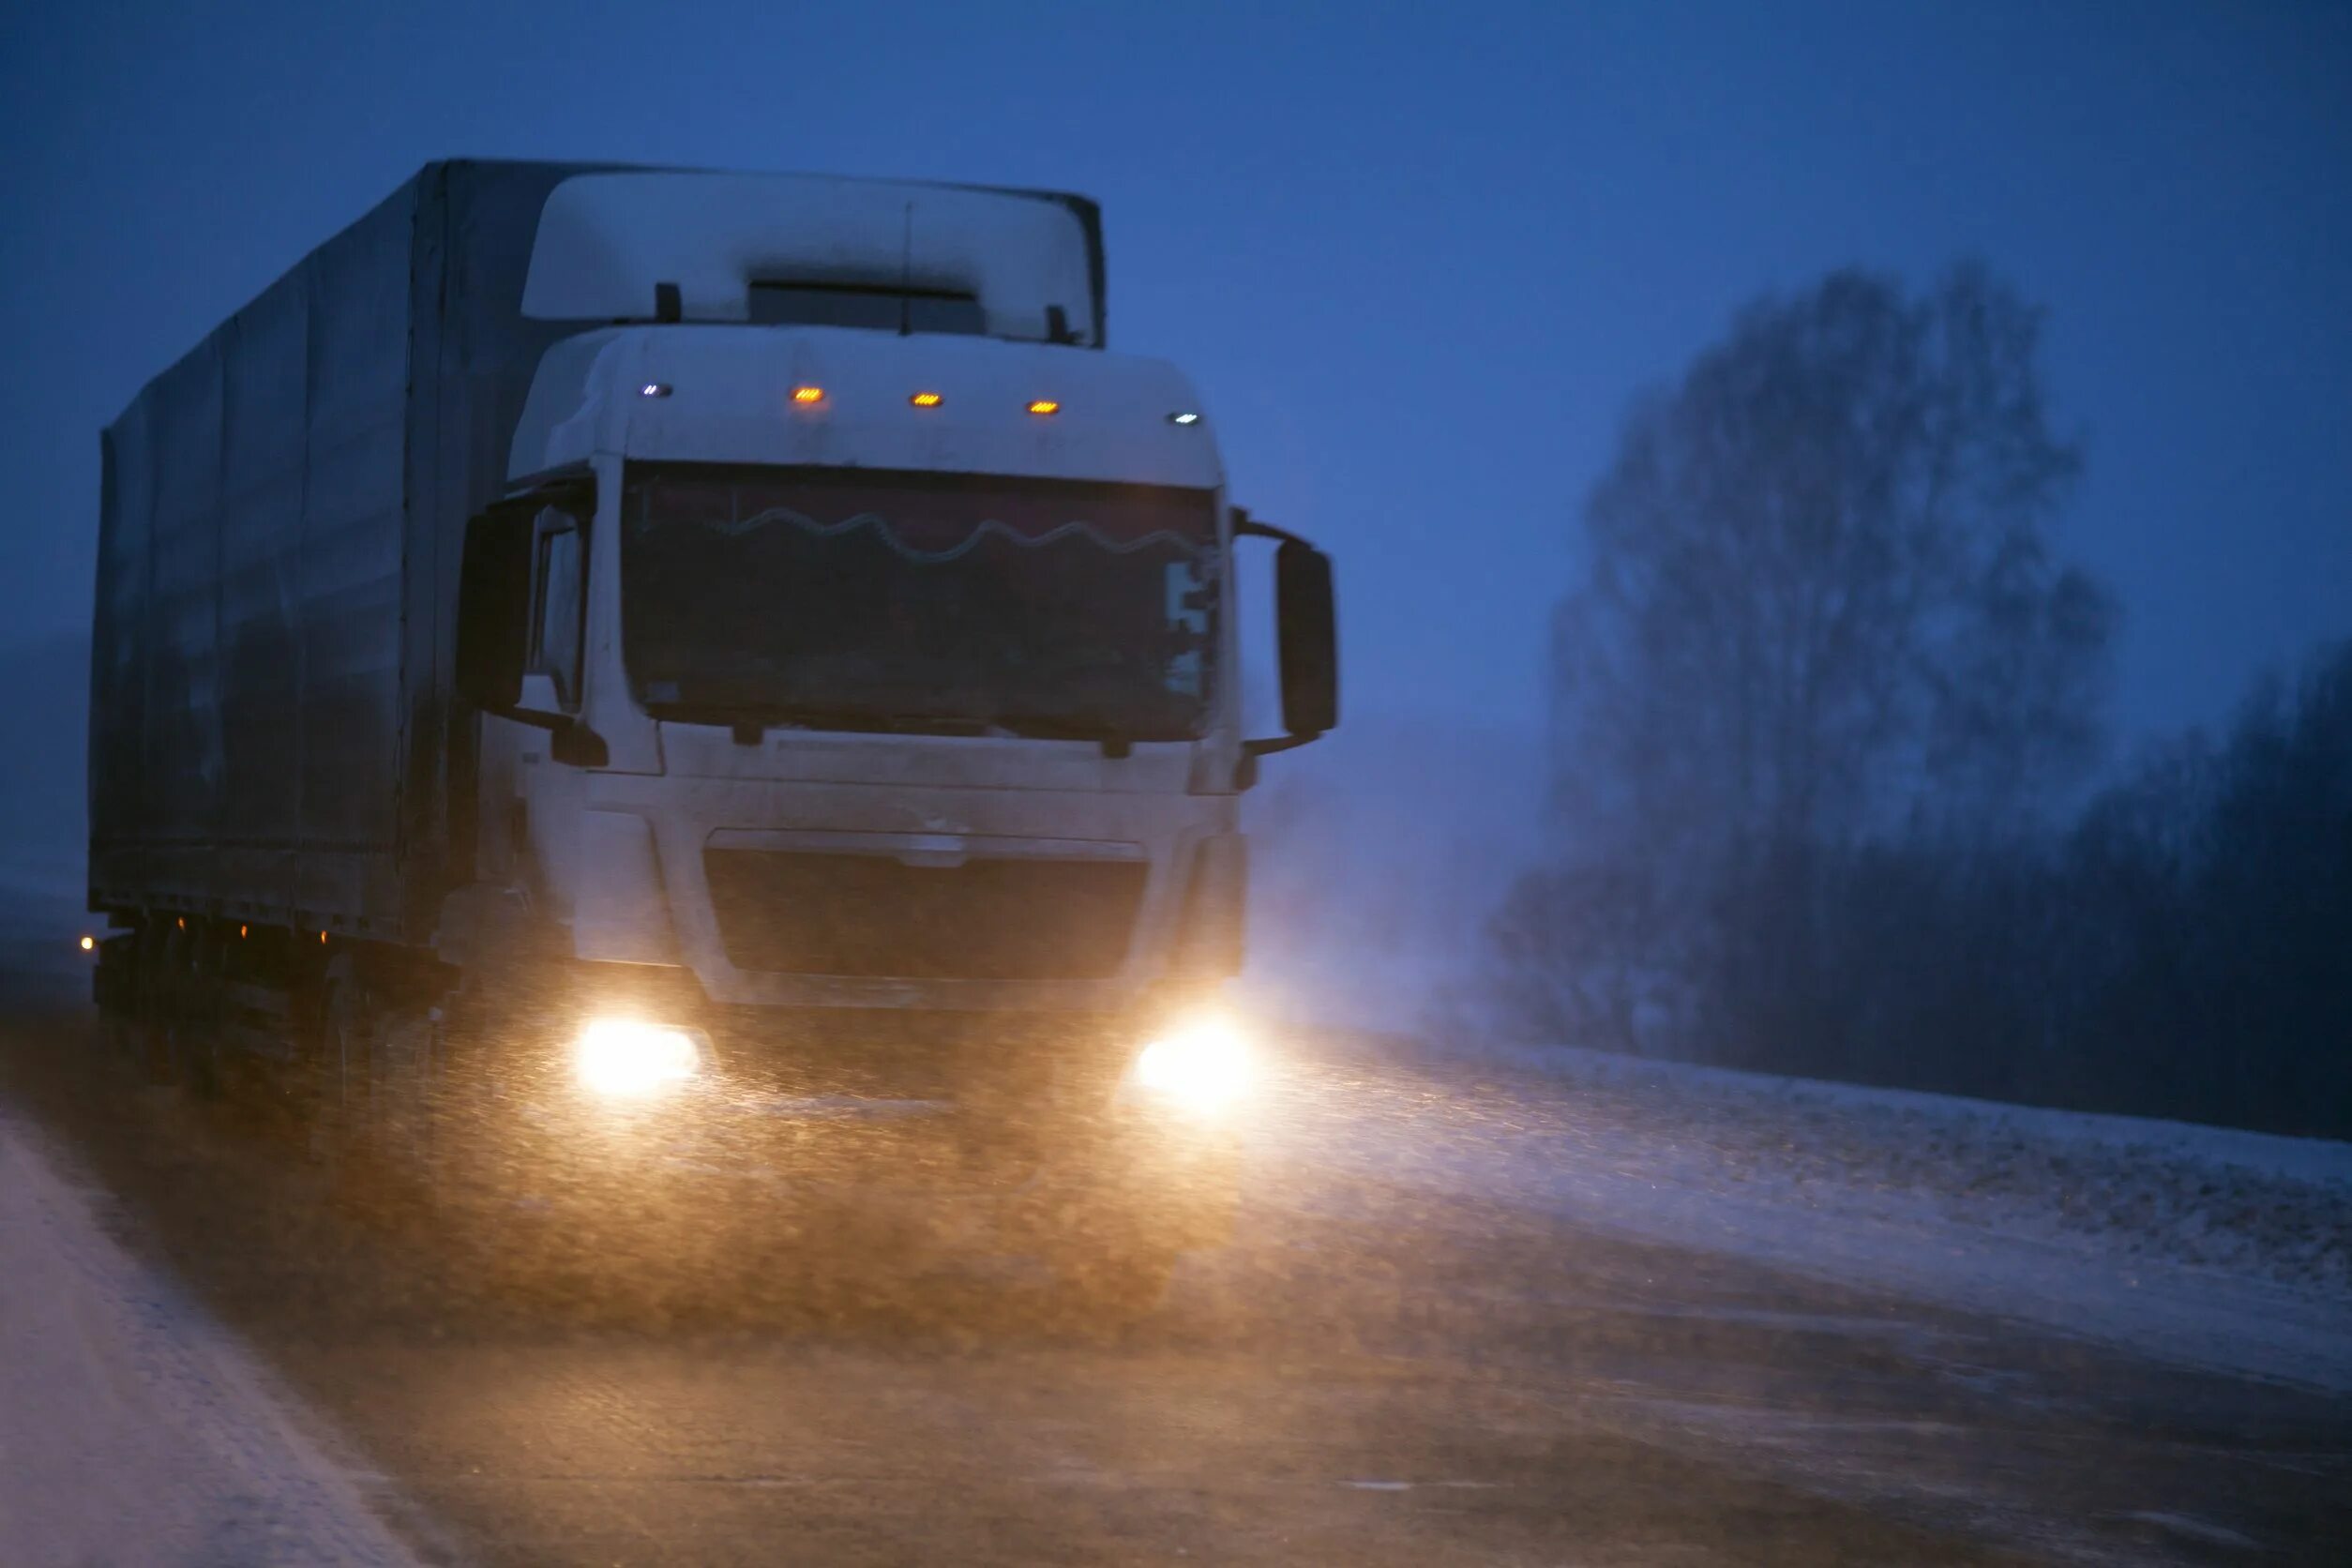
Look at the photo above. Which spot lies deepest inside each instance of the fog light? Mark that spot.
(627, 1059)
(1203, 1064)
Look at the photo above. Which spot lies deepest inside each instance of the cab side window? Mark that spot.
(559, 600)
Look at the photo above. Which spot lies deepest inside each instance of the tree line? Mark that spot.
(1828, 726)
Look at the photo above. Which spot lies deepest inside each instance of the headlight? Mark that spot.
(627, 1059)
(1202, 1062)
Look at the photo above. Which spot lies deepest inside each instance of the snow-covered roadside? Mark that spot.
(132, 1429)
(2213, 1248)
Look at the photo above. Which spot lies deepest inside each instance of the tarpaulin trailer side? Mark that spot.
(272, 733)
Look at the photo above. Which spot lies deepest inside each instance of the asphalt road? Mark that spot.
(1367, 1375)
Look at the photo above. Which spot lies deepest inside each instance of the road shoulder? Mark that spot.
(2207, 1249)
(133, 1428)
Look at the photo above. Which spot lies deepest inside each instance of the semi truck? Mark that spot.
(650, 675)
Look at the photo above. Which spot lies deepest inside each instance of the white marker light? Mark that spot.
(654, 389)
(627, 1059)
(1184, 419)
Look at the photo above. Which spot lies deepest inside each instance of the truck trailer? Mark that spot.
(650, 670)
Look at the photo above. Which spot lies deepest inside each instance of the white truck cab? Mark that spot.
(865, 671)
(931, 633)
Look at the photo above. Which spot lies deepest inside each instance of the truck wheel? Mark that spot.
(120, 998)
(135, 1039)
(163, 1039)
(198, 1057)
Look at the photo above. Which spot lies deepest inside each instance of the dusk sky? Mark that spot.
(1416, 258)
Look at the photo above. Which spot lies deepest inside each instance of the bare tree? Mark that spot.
(1820, 607)
(1821, 591)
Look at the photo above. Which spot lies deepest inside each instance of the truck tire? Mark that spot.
(165, 1039)
(117, 988)
(199, 1058)
(135, 1039)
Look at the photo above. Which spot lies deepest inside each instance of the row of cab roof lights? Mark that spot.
(810, 396)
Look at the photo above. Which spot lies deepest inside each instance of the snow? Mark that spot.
(2206, 1246)
(132, 1429)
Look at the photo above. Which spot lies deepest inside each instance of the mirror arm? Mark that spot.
(1280, 742)
(1247, 527)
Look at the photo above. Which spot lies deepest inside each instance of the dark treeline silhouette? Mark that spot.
(1821, 701)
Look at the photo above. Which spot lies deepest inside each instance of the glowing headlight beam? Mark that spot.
(1204, 1064)
(626, 1060)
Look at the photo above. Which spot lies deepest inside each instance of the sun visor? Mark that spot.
(1029, 262)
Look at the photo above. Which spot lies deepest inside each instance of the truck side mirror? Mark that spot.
(1307, 640)
(494, 609)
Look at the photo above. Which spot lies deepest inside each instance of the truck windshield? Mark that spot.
(932, 603)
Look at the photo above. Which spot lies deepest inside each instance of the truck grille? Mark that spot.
(802, 912)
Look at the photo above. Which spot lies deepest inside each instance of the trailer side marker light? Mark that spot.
(808, 394)
(240, 930)
(654, 389)
(1045, 406)
(1187, 418)
(89, 944)
(925, 399)
(182, 923)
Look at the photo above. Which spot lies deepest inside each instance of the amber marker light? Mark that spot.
(925, 400)
(807, 396)
(1045, 406)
